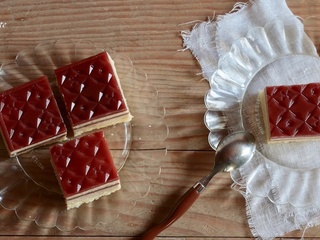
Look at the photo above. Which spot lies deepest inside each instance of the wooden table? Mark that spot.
(148, 32)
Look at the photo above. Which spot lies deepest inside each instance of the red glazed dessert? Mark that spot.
(291, 112)
(29, 116)
(92, 94)
(84, 168)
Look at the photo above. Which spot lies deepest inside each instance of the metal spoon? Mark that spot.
(232, 152)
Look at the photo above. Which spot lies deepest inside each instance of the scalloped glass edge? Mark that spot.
(228, 85)
(131, 169)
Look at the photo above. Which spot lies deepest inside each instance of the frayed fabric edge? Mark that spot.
(313, 222)
(199, 48)
(239, 6)
(243, 191)
(188, 35)
(252, 227)
(191, 40)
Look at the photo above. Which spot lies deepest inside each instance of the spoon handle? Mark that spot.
(181, 207)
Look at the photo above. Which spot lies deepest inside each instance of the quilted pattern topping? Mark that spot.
(83, 163)
(90, 89)
(294, 111)
(29, 114)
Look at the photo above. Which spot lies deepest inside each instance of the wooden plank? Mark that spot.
(148, 32)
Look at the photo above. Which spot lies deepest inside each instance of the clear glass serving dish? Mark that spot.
(279, 53)
(28, 184)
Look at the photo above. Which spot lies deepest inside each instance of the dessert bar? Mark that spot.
(291, 113)
(30, 117)
(92, 94)
(85, 169)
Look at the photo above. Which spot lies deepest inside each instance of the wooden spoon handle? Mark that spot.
(181, 207)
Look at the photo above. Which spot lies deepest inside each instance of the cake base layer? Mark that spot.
(77, 200)
(101, 123)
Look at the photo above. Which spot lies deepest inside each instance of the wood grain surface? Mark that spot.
(148, 32)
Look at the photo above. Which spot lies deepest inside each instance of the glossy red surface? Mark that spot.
(29, 114)
(83, 163)
(294, 111)
(89, 89)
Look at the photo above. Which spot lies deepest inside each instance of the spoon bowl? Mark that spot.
(235, 150)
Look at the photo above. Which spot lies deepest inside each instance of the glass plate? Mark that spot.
(233, 104)
(28, 185)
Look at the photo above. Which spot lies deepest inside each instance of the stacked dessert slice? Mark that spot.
(30, 117)
(92, 94)
(291, 112)
(85, 169)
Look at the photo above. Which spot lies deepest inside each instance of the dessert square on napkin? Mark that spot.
(209, 42)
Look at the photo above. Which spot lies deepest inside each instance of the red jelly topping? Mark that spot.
(83, 163)
(90, 89)
(29, 115)
(294, 111)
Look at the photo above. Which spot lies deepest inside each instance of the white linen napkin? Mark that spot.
(274, 208)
